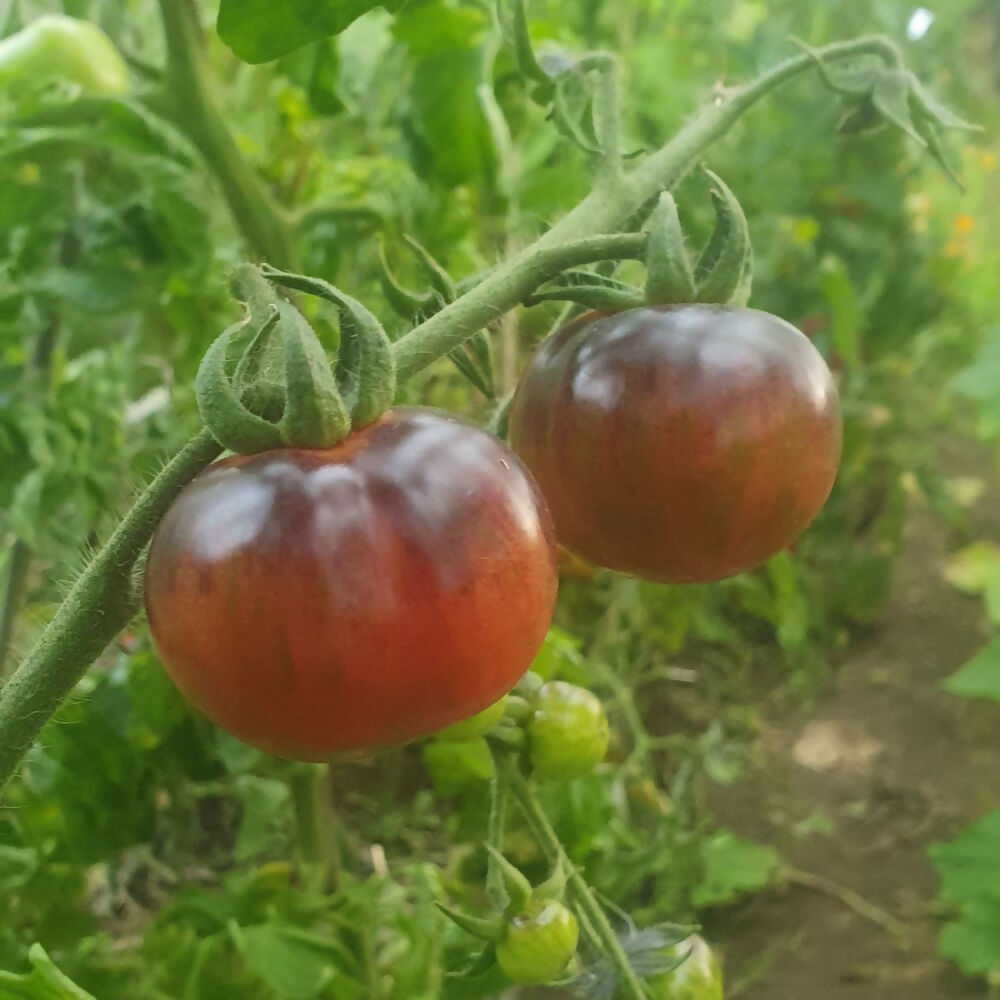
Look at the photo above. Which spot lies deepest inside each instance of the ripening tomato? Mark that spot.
(679, 443)
(317, 601)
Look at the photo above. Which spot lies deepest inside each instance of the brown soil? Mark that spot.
(889, 763)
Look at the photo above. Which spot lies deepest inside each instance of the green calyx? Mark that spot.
(722, 273)
(267, 382)
(879, 93)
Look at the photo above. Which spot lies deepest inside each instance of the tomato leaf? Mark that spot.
(293, 967)
(731, 868)
(44, 982)
(970, 879)
(980, 677)
(259, 30)
(447, 125)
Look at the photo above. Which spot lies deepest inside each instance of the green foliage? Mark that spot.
(971, 883)
(259, 32)
(44, 982)
(132, 818)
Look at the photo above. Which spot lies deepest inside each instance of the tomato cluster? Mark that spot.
(402, 581)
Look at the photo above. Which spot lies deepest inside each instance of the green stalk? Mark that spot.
(18, 563)
(495, 891)
(589, 909)
(605, 210)
(188, 89)
(98, 606)
(312, 800)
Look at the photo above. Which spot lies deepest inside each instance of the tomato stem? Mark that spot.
(99, 605)
(607, 113)
(312, 799)
(607, 208)
(589, 910)
(499, 794)
(193, 109)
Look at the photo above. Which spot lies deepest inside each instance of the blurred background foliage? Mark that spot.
(152, 856)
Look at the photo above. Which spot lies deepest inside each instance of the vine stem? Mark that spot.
(194, 110)
(98, 606)
(582, 895)
(606, 209)
(495, 891)
(311, 788)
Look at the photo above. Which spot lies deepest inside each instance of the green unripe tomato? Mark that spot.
(568, 731)
(55, 47)
(699, 978)
(537, 944)
(475, 725)
(453, 766)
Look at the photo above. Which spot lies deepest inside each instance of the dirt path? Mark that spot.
(883, 765)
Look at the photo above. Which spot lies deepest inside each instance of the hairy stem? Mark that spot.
(495, 890)
(98, 606)
(195, 112)
(582, 895)
(605, 210)
(607, 112)
(18, 564)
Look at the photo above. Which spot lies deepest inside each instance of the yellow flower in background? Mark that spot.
(963, 223)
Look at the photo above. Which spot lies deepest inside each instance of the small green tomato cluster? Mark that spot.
(534, 938)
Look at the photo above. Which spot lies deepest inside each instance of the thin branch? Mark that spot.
(852, 900)
(604, 210)
(193, 109)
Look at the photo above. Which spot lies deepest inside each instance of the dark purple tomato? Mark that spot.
(311, 602)
(679, 443)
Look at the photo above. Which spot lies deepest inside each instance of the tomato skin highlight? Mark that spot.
(680, 444)
(311, 602)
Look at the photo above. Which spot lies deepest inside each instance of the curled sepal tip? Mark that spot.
(403, 302)
(315, 415)
(669, 275)
(365, 370)
(233, 424)
(724, 266)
